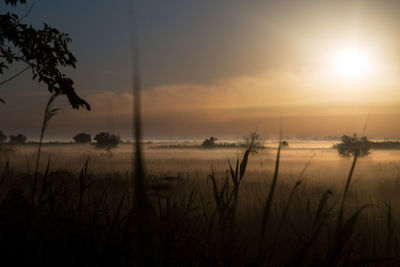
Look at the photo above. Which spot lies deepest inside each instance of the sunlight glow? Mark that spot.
(352, 62)
(350, 70)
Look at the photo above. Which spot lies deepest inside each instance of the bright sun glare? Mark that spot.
(351, 62)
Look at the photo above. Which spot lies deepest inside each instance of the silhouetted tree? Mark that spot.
(17, 139)
(209, 142)
(351, 145)
(44, 51)
(3, 137)
(107, 140)
(256, 140)
(82, 138)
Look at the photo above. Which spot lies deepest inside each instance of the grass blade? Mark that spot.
(268, 203)
(346, 190)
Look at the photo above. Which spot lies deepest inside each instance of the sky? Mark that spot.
(221, 68)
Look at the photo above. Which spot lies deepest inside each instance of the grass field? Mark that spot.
(202, 214)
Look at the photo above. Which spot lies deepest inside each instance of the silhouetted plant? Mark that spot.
(107, 140)
(256, 140)
(49, 112)
(3, 137)
(268, 204)
(17, 139)
(227, 197)
(209, 142)
(43, 51)
(82, 138)
(352, 145)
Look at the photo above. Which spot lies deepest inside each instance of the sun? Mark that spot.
(351, 62)
(349, 69)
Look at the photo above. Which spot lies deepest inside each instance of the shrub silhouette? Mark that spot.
(3, 137)
(254, 141)
(285, 144)
(17, 139)
(107, 140)
(209, 142)
(352, 145)
(82, 138)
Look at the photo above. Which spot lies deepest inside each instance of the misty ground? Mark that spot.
(376, 176)
(189, 160)
(376, 181)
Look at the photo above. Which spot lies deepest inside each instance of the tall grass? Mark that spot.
(268, 205)
(85, 219)
(144, 239)
(49, 112)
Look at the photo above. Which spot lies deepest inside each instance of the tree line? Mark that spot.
(104, 140)
(19, 138)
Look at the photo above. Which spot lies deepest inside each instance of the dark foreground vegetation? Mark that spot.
(78, 219)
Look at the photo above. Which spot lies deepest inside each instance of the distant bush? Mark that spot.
(17, 139)
(352, 145)
(82, 138)
(285, 144)
(107, 140)
(253, 141)
(3, 137)
(209, 142)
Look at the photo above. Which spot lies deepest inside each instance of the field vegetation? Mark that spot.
(219, 207)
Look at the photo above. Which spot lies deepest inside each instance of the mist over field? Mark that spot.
(312, 178)
(189, 161)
